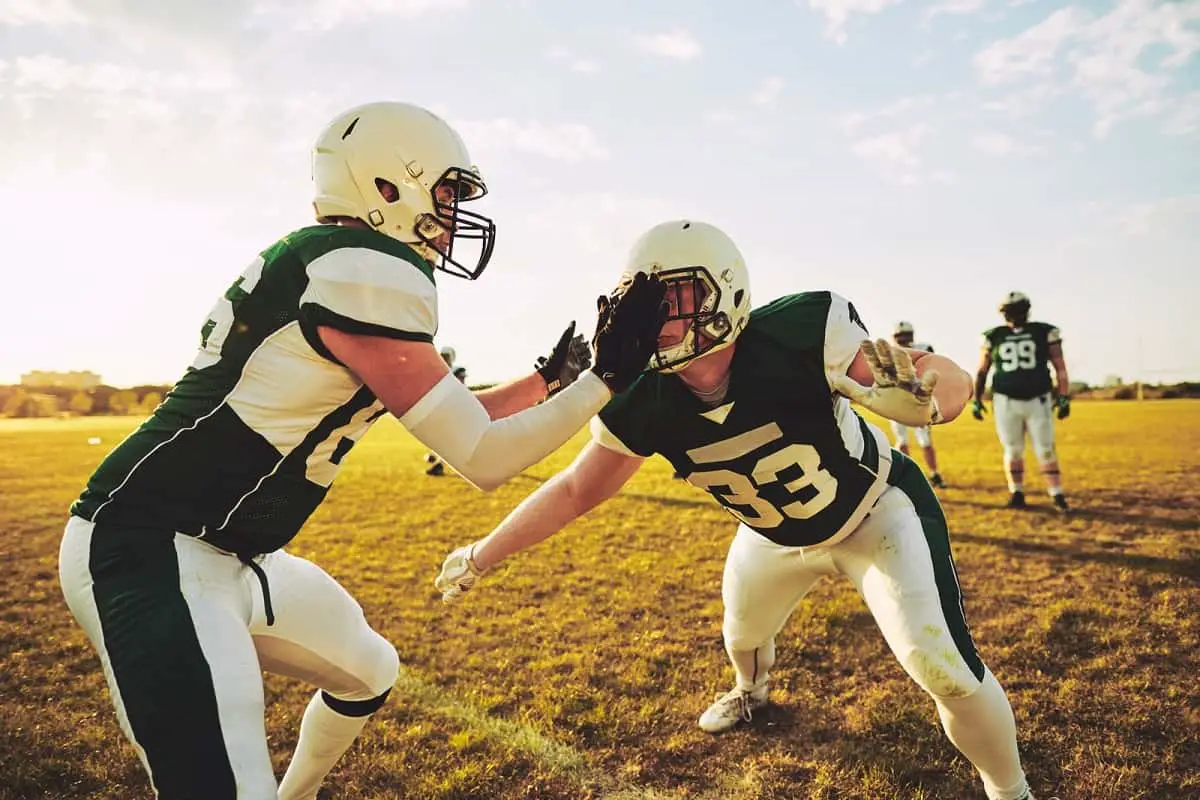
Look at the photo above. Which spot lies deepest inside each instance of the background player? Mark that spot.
(1021, 352)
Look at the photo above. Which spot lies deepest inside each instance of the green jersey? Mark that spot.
(781, 452)
(1021, 358)
(245, 446)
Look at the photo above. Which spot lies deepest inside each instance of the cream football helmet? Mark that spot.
(691, 256)
(369, 147)
(1015, 306)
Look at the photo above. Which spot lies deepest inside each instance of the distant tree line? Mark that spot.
(57, 401)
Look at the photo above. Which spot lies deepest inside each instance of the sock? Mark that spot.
(324, 736)
(753, 667)
(982, 727)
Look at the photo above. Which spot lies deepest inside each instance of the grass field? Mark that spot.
(578, 669)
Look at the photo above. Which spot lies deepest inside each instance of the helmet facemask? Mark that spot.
(462, 225)
(707, 330)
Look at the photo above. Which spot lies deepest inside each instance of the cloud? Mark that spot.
(896, 155)
(853, 121)
(1032, 52)
(50, 13)
(325, 15)
(953, 7)
(768, 91)
(1121, 62)
(57, 75)
(1001, 144)
(573, 62)
(838, 12)
(1160, 216)
(678, 44)
(1184, 120)
(561, 142)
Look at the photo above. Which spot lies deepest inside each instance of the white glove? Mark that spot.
(897, 394)
(459, 573)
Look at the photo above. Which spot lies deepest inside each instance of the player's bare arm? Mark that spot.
(910, 386)
(954, 386)
(981, 374)
(1062, 379)
(553, 373)
(510, 398)
(595, 475)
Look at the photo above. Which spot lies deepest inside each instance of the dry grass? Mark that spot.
(578, 670)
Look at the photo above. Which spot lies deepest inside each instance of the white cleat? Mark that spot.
(733, 707)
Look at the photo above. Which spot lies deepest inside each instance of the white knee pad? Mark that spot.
(941, 674)
(377, 665)
(385, 667)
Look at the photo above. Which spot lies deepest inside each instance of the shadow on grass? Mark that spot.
(1082, 512)
(1188, 568)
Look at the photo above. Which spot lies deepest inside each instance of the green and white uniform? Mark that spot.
(816, 488)
(1021, 387)
(818, 492)
(781, 453)
(234, 461)
(245, 446)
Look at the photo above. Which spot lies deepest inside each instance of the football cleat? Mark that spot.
(1016, 500)
(731, 708)
(937, 481)
(437, 469)
(1060, 503)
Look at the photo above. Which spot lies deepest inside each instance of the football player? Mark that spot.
(1023, 399)
(902, 335)
(172, 559)
(754, 408)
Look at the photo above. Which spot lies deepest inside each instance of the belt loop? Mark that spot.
(266, 588)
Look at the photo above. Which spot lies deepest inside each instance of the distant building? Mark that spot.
(69, 380)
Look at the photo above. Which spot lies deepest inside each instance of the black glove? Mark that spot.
(977, 409)
(1064, 406)
(569, 358)
(627, 328)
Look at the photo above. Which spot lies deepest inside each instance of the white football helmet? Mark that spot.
(1015, 308)
(698, 257)
(448, 355)
(1014, 299)
(903, 328)
(415, 151)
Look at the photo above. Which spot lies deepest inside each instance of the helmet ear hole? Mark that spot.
(387, 190)
(737, 297)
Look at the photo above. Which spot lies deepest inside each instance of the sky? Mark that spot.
(921, 158)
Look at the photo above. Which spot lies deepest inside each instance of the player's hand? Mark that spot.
(978, 409)
(627, 327)
(566, 362)
(1064, 406)
(459, 573)
(898, 394)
